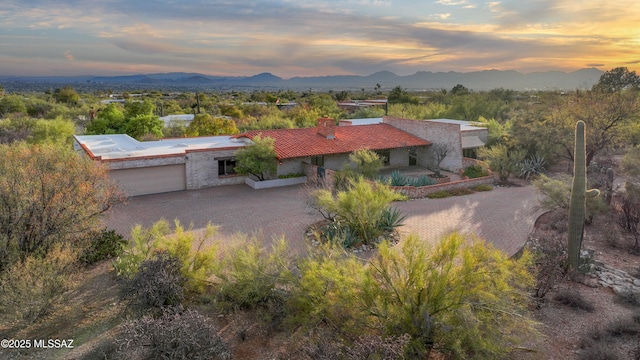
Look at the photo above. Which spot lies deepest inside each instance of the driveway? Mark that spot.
(502, 216)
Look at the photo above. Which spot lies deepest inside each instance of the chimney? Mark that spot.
(326, 127)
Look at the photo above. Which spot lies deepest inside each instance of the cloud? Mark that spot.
(69, 55)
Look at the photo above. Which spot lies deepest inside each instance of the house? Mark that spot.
(329, 146)
(194, 163)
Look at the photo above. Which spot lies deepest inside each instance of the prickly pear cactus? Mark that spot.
(579, 194)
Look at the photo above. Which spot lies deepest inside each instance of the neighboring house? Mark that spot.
(180, 119)
(194, 163)
(355, 105)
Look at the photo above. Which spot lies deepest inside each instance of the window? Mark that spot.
(385, 155)
(317, 160)
(227, 166)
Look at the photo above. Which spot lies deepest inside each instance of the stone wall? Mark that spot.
(423, 191)
(202, 169)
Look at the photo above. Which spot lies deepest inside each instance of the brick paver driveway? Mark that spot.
(502, 216)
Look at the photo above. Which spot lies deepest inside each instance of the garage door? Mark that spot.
(151, 180)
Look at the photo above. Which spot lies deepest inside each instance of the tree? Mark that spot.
(631, 163)
(110, 120)
(206, 125)
(605, 115)
(57, 131)
(398, 95)
(143, 126)
(502, 160)
(617, 79)
(133, 108)
(628, 208)
(257, 159)
(438, 151)
(460, 90)
(67, 95)
(48, 195)
(367, 163)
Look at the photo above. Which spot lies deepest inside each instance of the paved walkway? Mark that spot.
(502, 216)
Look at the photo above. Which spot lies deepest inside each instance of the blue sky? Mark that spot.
(314, 38)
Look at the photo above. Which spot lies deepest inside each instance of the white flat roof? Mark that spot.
(464, 125)
(368, 121)
(121, 146)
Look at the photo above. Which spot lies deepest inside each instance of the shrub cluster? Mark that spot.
(103, 244)
(176, 334)
(459, 191)
(397, 179)
(475, 171)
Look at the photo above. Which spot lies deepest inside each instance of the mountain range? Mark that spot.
(422, 80)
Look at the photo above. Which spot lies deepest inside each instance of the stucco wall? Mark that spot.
(434, 132)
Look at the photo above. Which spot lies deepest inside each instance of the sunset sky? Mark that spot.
(314, 37)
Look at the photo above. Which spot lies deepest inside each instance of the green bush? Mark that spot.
(482, 187)
(439, 194)
(474, 171)
(361, 206)
(292, 175)
(103, 244)
(469, 298)
(252, 276)
(197, 260)
(460, 191)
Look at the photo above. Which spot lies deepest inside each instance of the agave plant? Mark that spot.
(391, 219)
(532, 166)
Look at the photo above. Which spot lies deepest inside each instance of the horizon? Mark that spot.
(289, 78)
(297, 38)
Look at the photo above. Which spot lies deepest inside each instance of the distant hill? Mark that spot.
(422, 80)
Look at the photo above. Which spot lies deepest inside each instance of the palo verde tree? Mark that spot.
(366, 162)
(206, 125)
(257, 159)
(49, 195)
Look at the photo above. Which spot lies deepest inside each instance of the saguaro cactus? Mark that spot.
(579, 194)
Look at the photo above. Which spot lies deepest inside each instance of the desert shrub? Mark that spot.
(550, 263)
(466, 297)
(176, 334)
(103, 244)
(475, 171)
(377, 347)
(361, 206)
(158, 283)
(629, 298)
(556, 194)
(460, 191)
(573, 299)
(422, 180)
(439, 194)
(31, 288)
(326, 290)
(198, 262)
(603, 343)
(253, 277)
(482, 187)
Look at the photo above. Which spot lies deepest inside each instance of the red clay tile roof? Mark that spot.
(293, 143)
